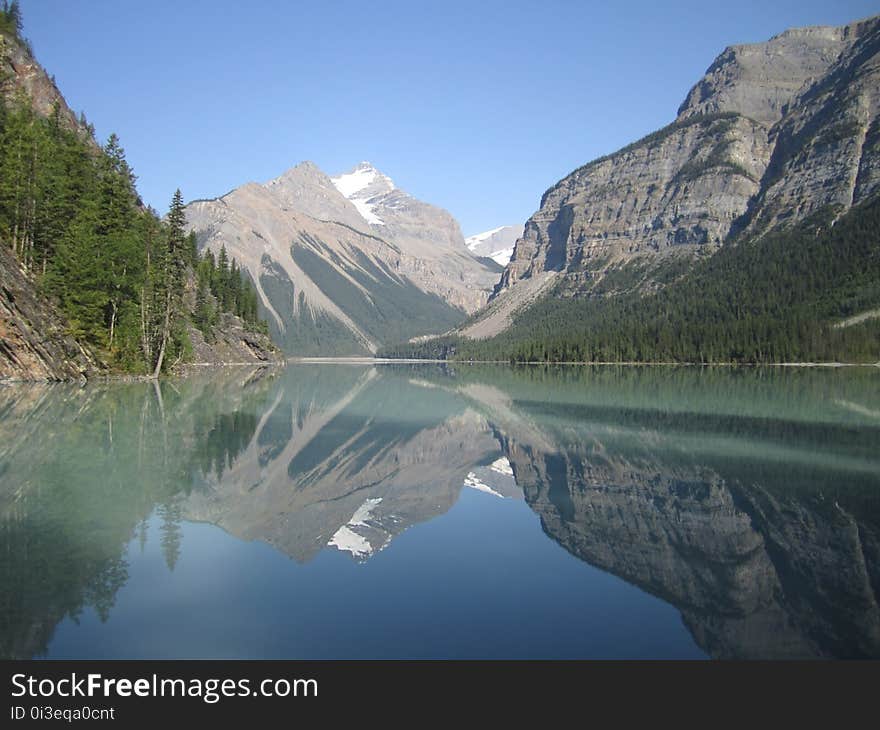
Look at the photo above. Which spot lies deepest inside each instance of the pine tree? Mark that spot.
(10, 18)
(173, 271)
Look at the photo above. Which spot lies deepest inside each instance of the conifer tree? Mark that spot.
(173, 269)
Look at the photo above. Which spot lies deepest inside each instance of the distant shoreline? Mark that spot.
(391, 360)
(191, 368)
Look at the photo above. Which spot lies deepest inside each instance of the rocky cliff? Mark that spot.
(22, 76)
(33, 343)
(773, 132)
(346, 263)
(33, 340)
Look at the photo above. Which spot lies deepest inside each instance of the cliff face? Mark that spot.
(759, 80)
(773, 132)
(33, 343)
(22, 75)
(683, 187)
(826, 149)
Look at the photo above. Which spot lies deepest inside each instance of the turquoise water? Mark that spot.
(425, 511)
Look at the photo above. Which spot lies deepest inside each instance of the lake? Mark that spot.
(444, 511)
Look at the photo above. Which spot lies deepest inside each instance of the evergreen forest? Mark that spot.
(128, 282)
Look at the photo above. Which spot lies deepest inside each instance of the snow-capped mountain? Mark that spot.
(496, 244)
(343, 265)
(364, 187)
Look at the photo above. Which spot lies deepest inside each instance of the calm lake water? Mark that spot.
(425, 511)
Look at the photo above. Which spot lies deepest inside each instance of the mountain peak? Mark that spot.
(760, 80)
(305, 170)
(362, 181)
(361, 185)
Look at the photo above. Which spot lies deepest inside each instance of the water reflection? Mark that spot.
(746, 499)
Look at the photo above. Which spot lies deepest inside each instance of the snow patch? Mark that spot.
(353, 182)
(474, 482)
(345, 538)
(503, 256)
(364, 512)
(472, 241)
(366, 211)
(353, 186)
(349, 541)
(502, 466)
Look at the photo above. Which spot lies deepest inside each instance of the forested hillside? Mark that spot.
(794, 295)
(121, 277)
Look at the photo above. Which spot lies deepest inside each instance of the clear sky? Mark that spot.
(474, 106)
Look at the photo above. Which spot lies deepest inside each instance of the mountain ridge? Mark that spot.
(721, 165)
(343, 264)
(773, 135)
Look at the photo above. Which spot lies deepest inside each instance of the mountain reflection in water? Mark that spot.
(746, 499)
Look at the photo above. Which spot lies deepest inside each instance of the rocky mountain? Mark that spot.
(496, 244)
(773, 133)
(343, 264)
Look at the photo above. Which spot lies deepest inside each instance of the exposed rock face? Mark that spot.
(20, 73)
(232, 343)
(342, 265)
(826, 149)
(774, 132)
(759, 80)
(683, 187)
(33, 343)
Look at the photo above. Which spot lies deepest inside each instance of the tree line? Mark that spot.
(122, 277)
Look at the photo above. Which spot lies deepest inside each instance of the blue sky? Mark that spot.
(474, 106)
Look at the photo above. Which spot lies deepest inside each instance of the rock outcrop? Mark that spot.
(34, 344)
(232, 343)
(773, 133)
(21, 75)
